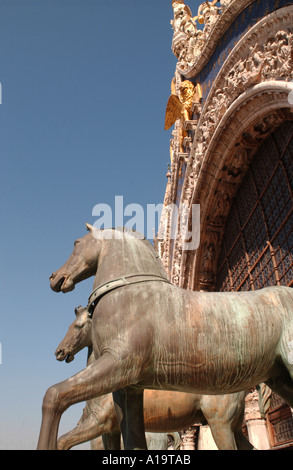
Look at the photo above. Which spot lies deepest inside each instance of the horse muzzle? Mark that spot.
(62, 355)
(61, 282)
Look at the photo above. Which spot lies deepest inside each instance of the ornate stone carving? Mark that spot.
(257, 402)
(251, 406)
(187, 39)
(259, 131)
(221, 209)
(224, 3)
(273, 60)
(208, 14)
(208, 265)
(193, 46)
(188, 438)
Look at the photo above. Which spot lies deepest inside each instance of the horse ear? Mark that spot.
(89, 227)
(77, 310)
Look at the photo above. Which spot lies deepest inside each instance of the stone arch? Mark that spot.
(257, 245)
(249, 120)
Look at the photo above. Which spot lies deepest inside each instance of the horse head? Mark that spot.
(81, 264)
(116, 252)
(79, 336)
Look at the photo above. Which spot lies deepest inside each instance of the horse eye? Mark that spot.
(79, 326)
(76, 242)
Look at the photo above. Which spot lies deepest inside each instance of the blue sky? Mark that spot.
(84, 89)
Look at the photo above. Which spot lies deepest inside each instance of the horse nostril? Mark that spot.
(52, 277)
(59, 353)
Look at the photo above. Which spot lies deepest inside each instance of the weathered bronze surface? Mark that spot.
(163, 411)
(154, 335)
(155, 441)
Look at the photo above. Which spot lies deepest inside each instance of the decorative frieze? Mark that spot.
(269, 60)
(192, 44)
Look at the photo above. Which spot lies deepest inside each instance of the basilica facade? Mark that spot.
(231, 155)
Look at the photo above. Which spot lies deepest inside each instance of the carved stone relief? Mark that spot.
(208, 14)
(252, 410)
(191, 45)
(187, 39)
(272, 60)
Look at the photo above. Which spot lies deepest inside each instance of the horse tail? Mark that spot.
(264, 398)
(286, 344)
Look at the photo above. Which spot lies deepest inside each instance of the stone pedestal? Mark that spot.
(205, 439)
(256, 426)
(258, 434)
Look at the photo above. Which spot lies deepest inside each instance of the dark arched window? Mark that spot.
(257, 247)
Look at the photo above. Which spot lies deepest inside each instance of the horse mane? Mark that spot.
(128, 231)
(141, 237)
(123, 230)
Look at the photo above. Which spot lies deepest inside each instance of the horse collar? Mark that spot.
(109, 286)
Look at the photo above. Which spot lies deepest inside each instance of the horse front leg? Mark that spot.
(85, 431)
(101, 377)
(129, 409)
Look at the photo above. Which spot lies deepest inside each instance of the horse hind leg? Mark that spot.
(281, 380)
(112, 440)
(128, 404)
(223, 436)
(225, 415)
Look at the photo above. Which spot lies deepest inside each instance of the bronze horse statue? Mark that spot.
(164, 412)
(150, 334)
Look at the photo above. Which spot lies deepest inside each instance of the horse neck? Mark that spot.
(124, 257)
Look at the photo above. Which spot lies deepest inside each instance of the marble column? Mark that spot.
(188, 438)
(256, 426)
(205, 439)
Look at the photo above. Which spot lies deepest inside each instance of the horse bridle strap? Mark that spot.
(109, 286)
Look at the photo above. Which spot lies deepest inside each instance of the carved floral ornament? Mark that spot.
(262, 60)
(272, 60)
(189, 41)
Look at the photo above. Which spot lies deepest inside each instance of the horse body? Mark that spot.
(195, 342)
(164, 411)
(154, 335)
